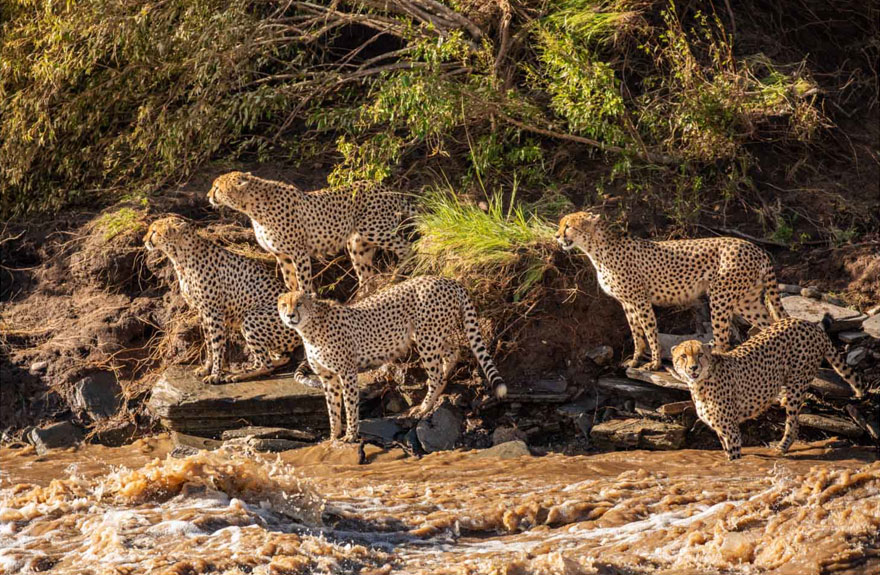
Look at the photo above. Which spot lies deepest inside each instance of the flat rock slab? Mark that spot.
(661, 378)
(646, 393)
(638, 434)
(506, 450)
(185, 404)
(258, 432)
(842, 318)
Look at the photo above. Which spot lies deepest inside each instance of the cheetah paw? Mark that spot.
(651, 366)
(213, 379)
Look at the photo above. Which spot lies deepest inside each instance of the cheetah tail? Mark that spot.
(771, 296)
(478, 346)
(840, 366)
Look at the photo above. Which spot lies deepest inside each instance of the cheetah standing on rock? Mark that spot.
(731, 387)
(341, 340)
(227, 289)
(737, 276)
(294, 225)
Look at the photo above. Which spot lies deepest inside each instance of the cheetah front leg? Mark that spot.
(731, 440)
(215, 332)
(635, 328)
(257, 331)
(792, 402)
(333, 397)
(646, 319)
(361, 254)
(350, 395)
(296, 267)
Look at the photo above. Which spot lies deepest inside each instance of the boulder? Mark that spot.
(57, 435)
(638, 434)
(811, 292)
(831, 424)
(116, 434)
(98, 394)
(440, 430)
(842, 318)
(183, 403)
(507, 434)
(38, 367)
(853, 336)
(789, 289)
(506, 450)
(871, 326)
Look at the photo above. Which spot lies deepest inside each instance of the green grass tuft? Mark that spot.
(458, 239)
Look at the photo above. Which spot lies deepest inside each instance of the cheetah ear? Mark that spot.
(707, 348)
(674, 349)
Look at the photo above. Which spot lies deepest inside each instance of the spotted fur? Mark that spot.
(228, 290)
(341, 340)
(731, 387)
(295, 226)
(737, 276)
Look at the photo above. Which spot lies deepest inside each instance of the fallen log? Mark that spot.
(831, 424)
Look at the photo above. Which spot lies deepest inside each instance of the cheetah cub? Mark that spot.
(341, 340)
(737, 276)
(294, 225)
(731, 387)
(228, 290)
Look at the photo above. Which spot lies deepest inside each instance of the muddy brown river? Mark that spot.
(98, 510)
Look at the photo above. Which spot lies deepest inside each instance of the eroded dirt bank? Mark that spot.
(131, 509)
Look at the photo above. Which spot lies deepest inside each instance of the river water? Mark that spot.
(98, 510)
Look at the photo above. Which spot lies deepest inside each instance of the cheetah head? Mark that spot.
(580, 229)
(166, 232)
(232, 190)
(295, 308)
(692, 360)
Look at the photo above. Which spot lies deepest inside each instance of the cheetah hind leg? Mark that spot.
(433, 365)
(792, 402)
(635, 327)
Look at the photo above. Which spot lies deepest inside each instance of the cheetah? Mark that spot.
(227, 289)
(294, 225)
(341, 340)
(737, 276)
(731, 387)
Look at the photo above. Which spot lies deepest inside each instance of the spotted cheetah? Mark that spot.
(294, 225)
(228, 290)
(731, 387)
(737, 276)
(341, 340)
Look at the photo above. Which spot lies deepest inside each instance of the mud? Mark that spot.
(315, 510)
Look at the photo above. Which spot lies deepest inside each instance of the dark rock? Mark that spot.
(183, 403)
(555, 385)
(440, 430)
(507, 450)
(507, 434)
(831, 424)
(828, 298)
(274, 445)
(638, 434)
(789, 289)
(829, 384)
(852, 336)
(855, 357)
(192, 443)
(382, 429)
(601, 355)
(98, 394)
(269, 433)
(842, 318)
(116, 435)
(645, 393)
(57, 435)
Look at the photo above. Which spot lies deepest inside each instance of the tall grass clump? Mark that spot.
(501, 246)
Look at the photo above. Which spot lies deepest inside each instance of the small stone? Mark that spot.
(57, 435)
(851, 336)
(116, 435)
(811, 293)
(38, 367)
(98, 394)
(506, 434)
(274, 445)
(507, 450)
(601, 355)
(789, 289)
(440, 430)
(856, 356)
